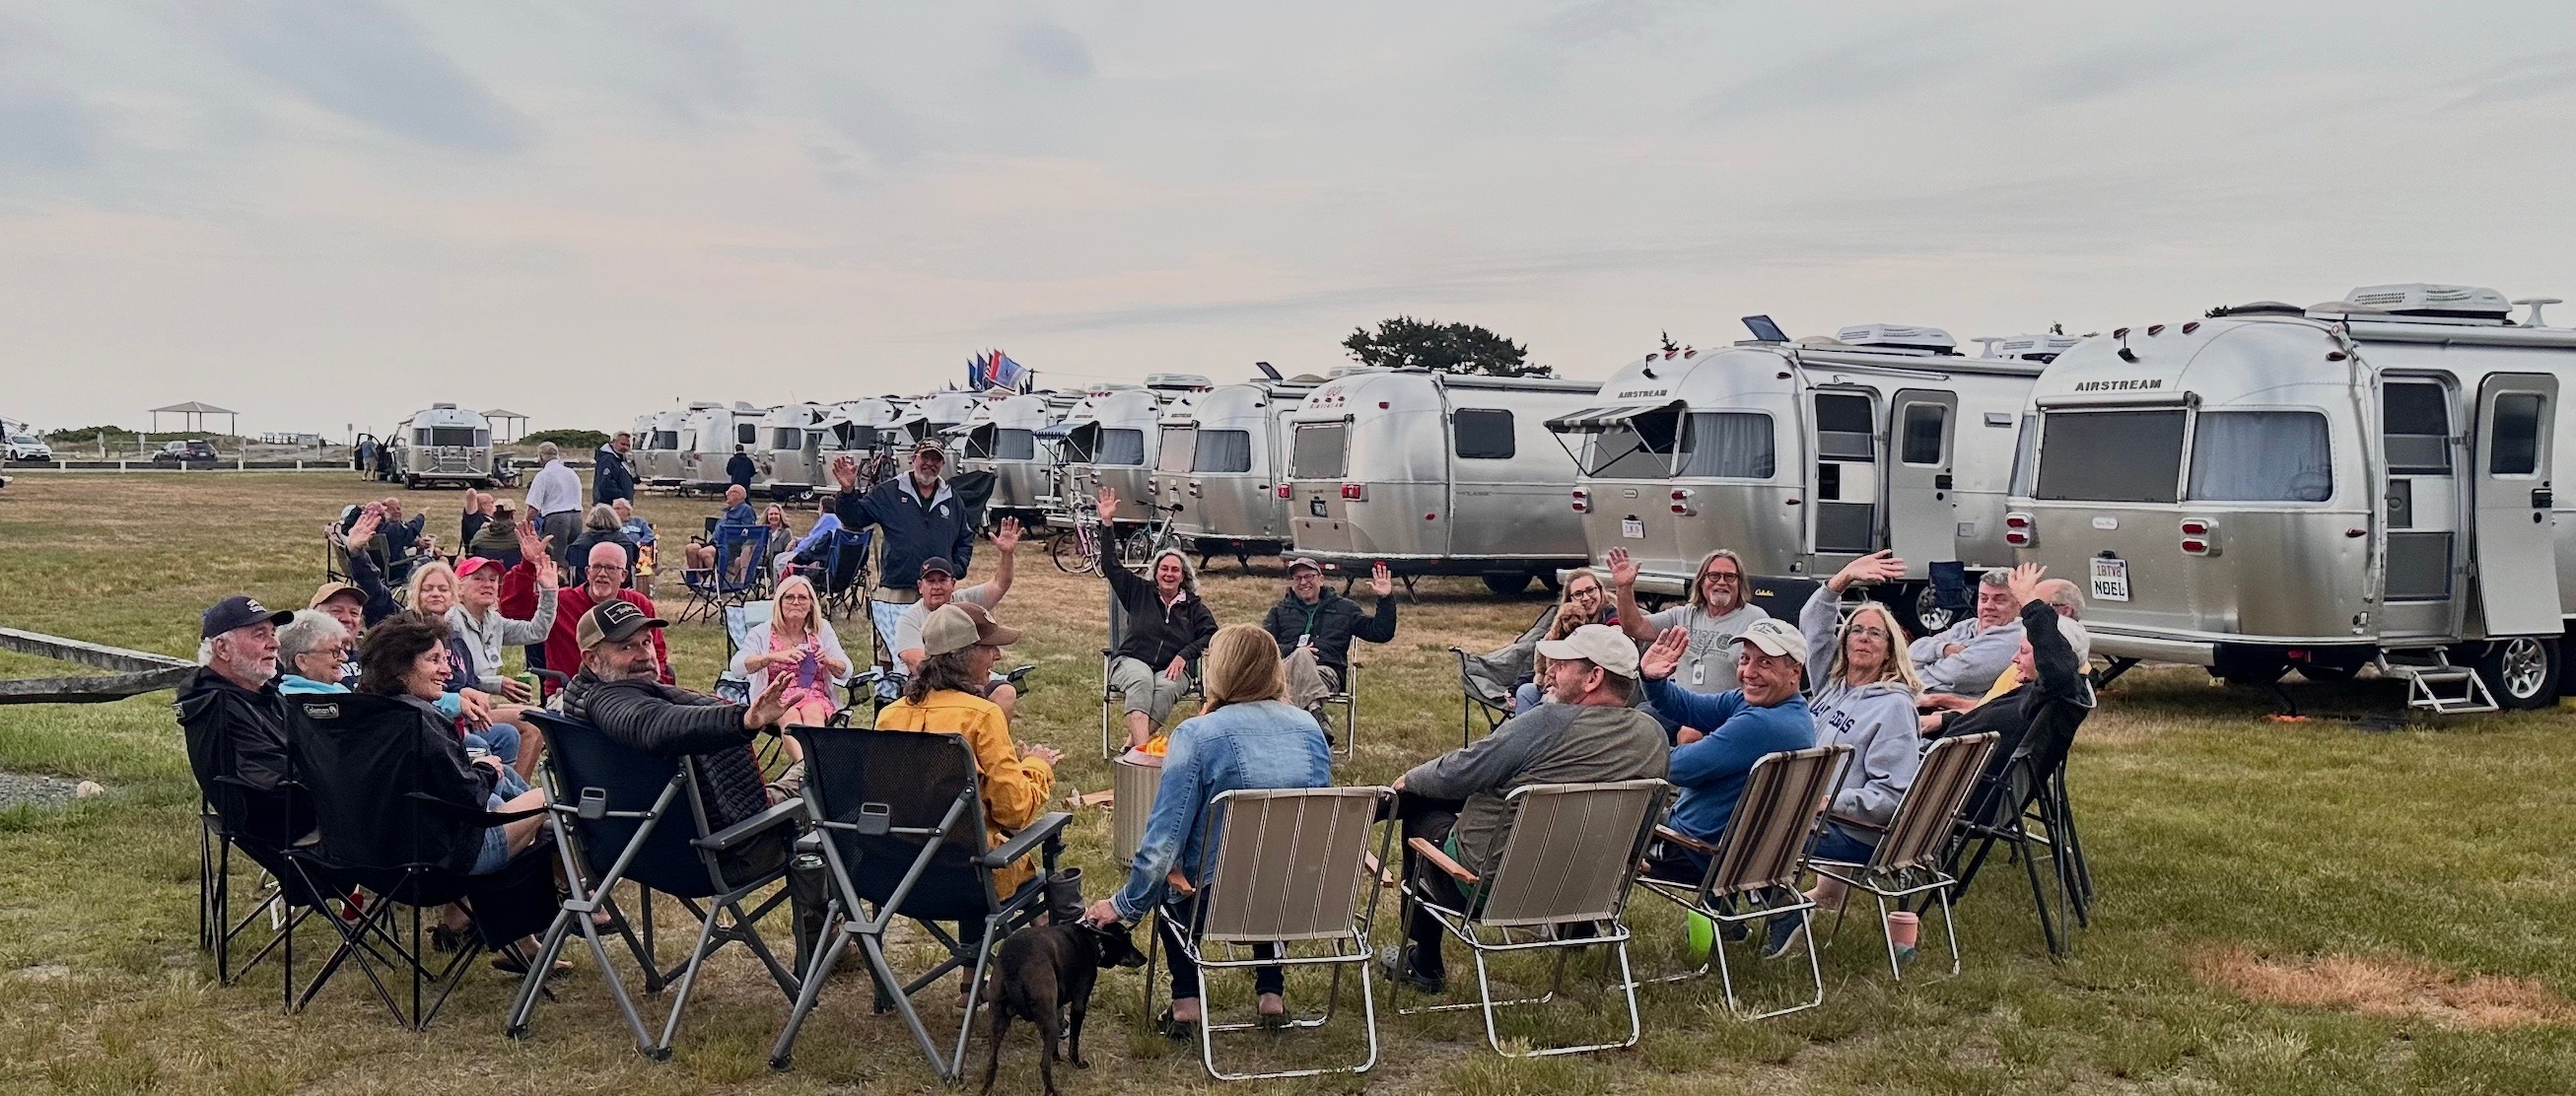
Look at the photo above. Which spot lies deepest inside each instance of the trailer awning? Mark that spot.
(1593, 420)
(1061, 429)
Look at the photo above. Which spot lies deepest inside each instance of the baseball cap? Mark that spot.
(1306, 563)
(957, 626)
(331, 590)
(1598, 644)
(239, 611)
(930, 446)
(1774, 637)
(939, 564)
(612, 621)
(472, 564)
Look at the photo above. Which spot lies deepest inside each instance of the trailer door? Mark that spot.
(1921, 523)
(1843, 519)
(2517, 578)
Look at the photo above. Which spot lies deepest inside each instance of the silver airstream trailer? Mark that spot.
(444, 444)
(657, 448)
(1436, 473)
(1110, 440)
(939, 413)
(791, 457)
(718, 430)
(1803, 455)
(1002, 438)
(2365, 482)
(1221, 467)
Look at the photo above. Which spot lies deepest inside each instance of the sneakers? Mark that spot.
(1781, 940)
(1400, 968)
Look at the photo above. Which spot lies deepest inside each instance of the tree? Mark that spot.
(570, 440)
(1408, 343)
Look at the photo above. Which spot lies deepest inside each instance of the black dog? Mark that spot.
(1044, 971)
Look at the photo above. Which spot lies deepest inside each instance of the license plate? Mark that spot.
(1632, 528)
(2110, 579)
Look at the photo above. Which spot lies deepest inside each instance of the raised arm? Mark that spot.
(1006, 549)
(1379, 625)
(1623, 581)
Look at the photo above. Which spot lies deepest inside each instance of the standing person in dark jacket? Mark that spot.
(1315, 627)
(2040, 717)
(917, 518)
(235, 724)
(611, 477)
(617, 691)
(1167, 629)
(741, 468)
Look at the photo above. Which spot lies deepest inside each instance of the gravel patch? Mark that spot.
(36, 791)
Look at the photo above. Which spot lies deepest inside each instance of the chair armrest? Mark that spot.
(730, 836)
(1048, 827)
(1686, 841)
(1423, 848)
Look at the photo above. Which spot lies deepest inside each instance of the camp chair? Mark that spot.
(2024, 805)
(1347, 699)
(617, 814)
(1285, 867)
(1752, 872)
(377, 827)
(1567, 862)
(844, 577)
(231, 817)
(740, 574)
(1113, 713)
(1908, 860)
(903, 817)
(1486, 680)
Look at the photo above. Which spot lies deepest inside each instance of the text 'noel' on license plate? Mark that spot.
(1632, 528)
(2110, 579)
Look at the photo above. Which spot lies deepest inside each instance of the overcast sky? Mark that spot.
(320, 212)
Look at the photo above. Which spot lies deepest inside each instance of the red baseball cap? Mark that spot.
(472, 564)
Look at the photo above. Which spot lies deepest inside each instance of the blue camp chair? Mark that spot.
(741, 573)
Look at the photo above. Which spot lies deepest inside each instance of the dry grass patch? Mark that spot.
(2384, 987)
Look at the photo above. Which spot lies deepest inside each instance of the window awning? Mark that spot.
(1593, 420)
(1063, 428)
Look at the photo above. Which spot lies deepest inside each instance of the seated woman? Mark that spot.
(310, 650)
(796, 641)
(1584, 602)
(406, 657)
(434, 590)
(961, 644)
(1248, 736)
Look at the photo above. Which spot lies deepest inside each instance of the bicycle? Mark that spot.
(1076, 551)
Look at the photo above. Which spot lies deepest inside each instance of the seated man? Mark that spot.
(639, 532)
(1763, 714)
(1315, 627)
(604, 582)
(235, 724)
(2060, 595)
(1168, 627)
(2052, 700)
(702, 549)
(959, 646)
(938, 587)
(810, 550)
(1456, 800)
(1966, 657)
(616, 692)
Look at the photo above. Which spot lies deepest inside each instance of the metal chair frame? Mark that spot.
(1753, 873)
(1908, 859)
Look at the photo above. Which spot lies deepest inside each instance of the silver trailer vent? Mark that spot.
(2466, 302)
(2031, 348)
(1178, 382)
(1891, 336)
(442, 407)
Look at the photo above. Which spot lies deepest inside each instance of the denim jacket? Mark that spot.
(1263, 744)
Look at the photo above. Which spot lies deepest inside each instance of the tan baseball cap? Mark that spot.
(1774, 637)
(1598, 644)
(958, 625)
(331, 590)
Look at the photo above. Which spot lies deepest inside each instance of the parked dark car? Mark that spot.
(179, 454)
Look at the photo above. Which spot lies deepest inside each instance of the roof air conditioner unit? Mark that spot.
(1890, 336)
(2465, 302)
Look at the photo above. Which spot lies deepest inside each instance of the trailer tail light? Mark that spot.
(1282, 490)
(2199, 537)
(1582, 501)
(2018, 530)
(1194, 488)
(1353, 492)
(1683, 504)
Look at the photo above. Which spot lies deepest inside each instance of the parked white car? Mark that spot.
(28, 447)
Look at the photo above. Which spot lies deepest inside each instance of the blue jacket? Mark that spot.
(1711, 771)
(1263, 744)
(739, 470)
(611, 478)
(914, 530)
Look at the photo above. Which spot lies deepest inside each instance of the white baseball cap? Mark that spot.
(1598, 644)
(1774, 637)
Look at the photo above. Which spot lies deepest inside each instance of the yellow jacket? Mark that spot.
(1016, 788)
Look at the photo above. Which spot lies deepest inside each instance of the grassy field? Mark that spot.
(2338, 905)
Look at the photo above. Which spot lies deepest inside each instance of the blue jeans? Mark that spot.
(1527, 696)
(496, 843)
(1842, 845)
(501, 740)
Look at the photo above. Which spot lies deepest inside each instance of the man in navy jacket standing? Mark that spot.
(917, 518)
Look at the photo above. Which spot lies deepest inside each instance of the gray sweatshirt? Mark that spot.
(1549, 744)
(1876, 720)
(1972, 671)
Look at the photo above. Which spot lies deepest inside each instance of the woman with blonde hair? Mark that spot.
(797, 641)
(1247, 736)
(1582, 602)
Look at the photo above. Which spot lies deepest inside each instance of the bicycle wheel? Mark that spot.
(1070, 555)
(1135, 548)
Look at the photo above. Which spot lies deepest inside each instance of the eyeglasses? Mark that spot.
(608, 568)
(1722, 576)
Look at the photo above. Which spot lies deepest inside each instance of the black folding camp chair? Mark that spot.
(843, 576)
(1486, 681)
(2024, 807)
(902, 813)
(378, 828)
(619, 814)
(235, 816)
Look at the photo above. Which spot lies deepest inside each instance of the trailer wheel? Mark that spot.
(2326, 673)
(411, 482)
(2522, 672)
(1929, 616)
(1507, 584)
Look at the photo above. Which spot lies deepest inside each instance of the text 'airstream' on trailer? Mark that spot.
(1110, 441)
(1436, 473)
(2365, 482)
(713, 435)
(444, 444)
(1221, 467)
(1801, 456)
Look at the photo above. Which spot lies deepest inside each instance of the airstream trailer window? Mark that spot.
(1843, 427)
(450, 435)
(1320, 451)
(1178, 443)
(787, 437)
(1638, 446)
(1078, 443)
(1223, 451)
(747, 433)
(1922, 433)
(2415, 420)
(2023, 466)
(1728, 445)
(2516, 448)
(1013, 444)
(2110, 456)
(1481, 433)
(2261, 456)
(688, 441)
(1120, 447)
(665, 439)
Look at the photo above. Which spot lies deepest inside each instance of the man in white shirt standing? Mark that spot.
(554, 500)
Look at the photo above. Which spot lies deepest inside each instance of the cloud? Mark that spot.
(362, 60)
(40, 129)
(2111, 70)
(1051, 51)
(2537, 77)
(1876, 68)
